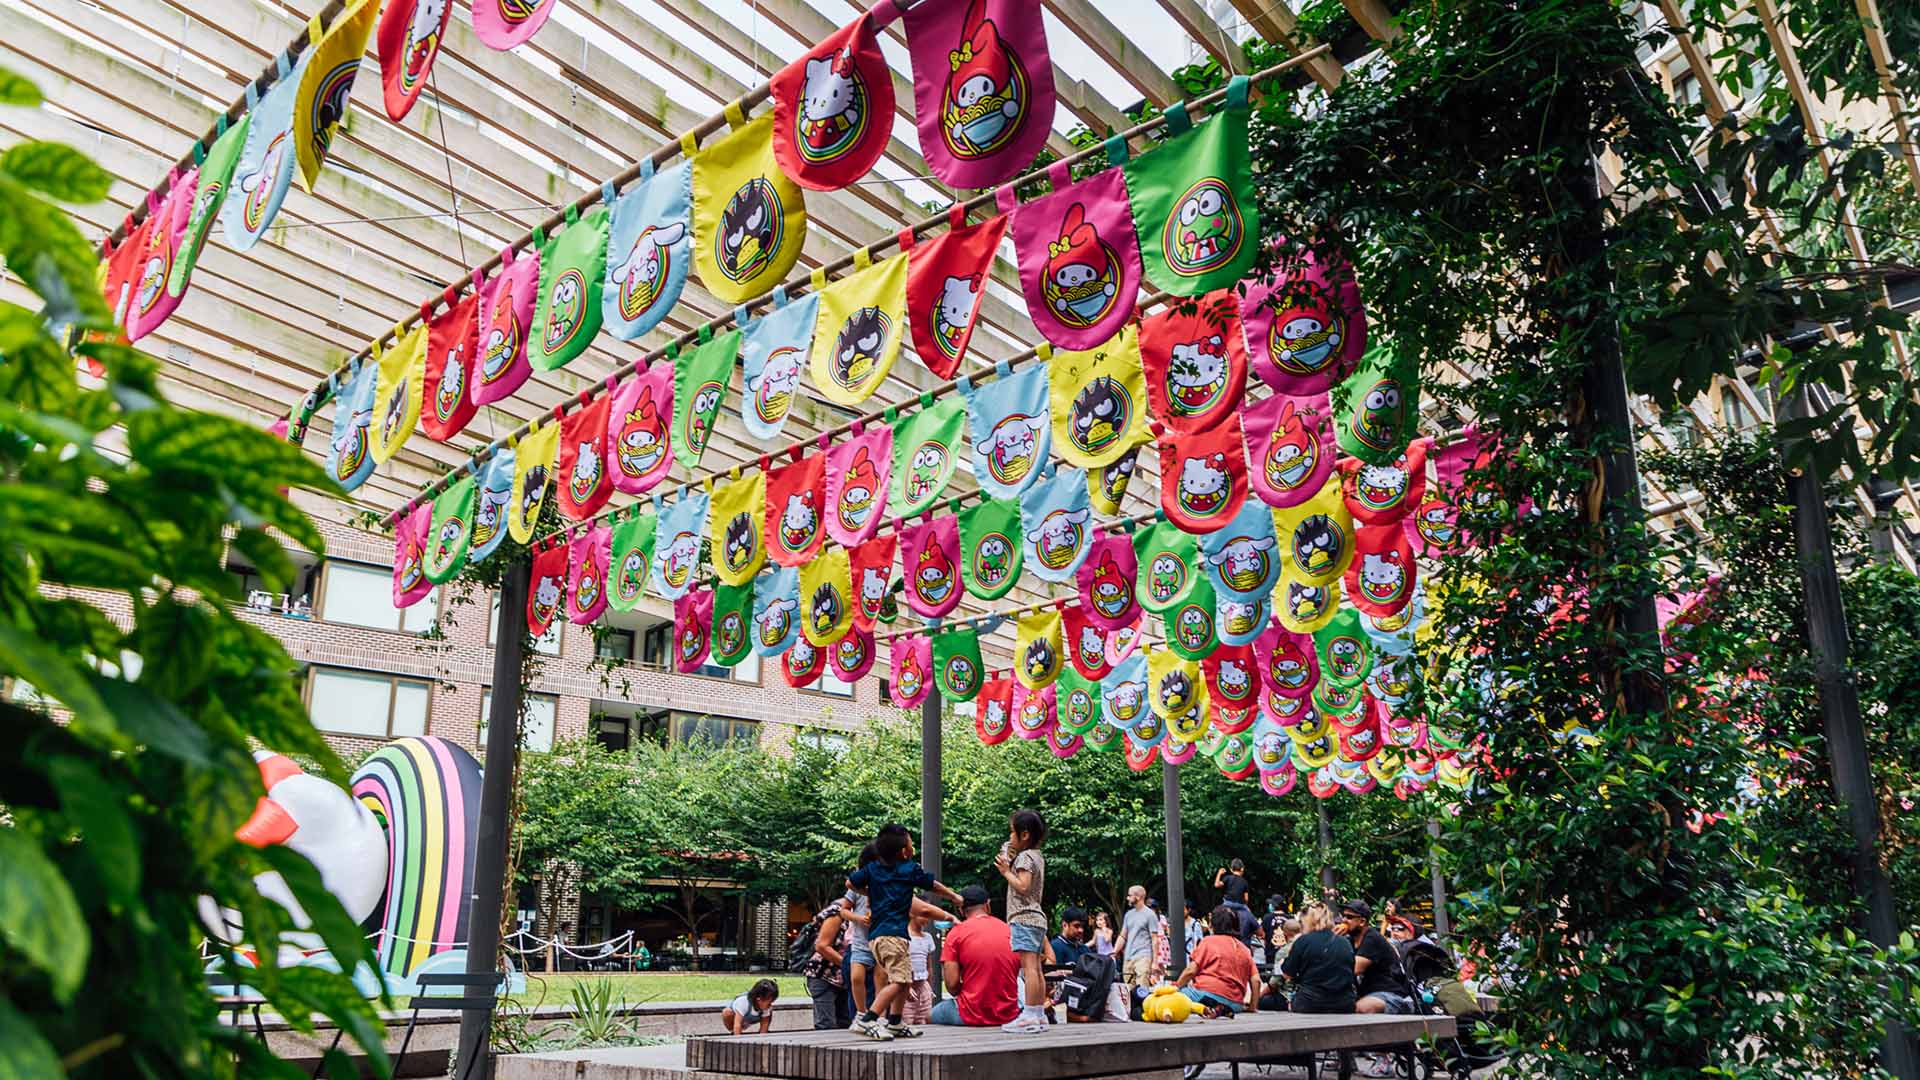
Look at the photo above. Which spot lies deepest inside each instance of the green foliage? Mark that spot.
(137, 693)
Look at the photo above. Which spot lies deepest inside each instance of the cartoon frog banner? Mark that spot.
(993, 711)
(1383, 494)
(581, 465)
(587, 556)
(990, 548)
(1383, 575)
(1076, 701)
(776, 610)
(649, 251)
(833, 106)
(1103, 736)
(700, 380)
(1305, 326)
(632, 545)
(930, 566)
(1106, 582)
(1243, 557)
(911, 661)
(826, 598)
(802, 664)
(209, 198)
(547, 589)
(349, 457)
(326, 82)
(1107, 484)
(451, 531)
(410, 581)
(1233, 685)
(1346, 650)
(796, 497)
(749, 220)
(151, 301)
(1034, 711)
(265, 170)
(1058, 525)
(506, 315)
(1036, 649)
(1189, 624)
(1079, 263)
(676, 547)
(850, 658)
(732, 630)
(1288, 665)
(957, 669)
(639, 447)
(1099, 400)
(409, 39)
(1169, 564)
(1304, 608)
(403, 368)
(692, 630)
(871, 565)
(490, 503)
(1195, 358)
(946, 283)
(504, 24)
(858, 469)
(567, 314)
(451, 337)
(1377, 405)
(1193, 203)
(857, 333)
(926, 450)
(1316, 536)
(773, 356)
(1203, 477)
(734, 545)
(1009, 432)
(1085, 643)
(982, 88)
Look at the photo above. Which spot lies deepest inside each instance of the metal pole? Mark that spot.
(932, 793)
(1176, 873)
(1840, 717)
(1327, 891)
(1442, 926)
(496, 795)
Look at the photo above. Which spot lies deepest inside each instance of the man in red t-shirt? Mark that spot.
(979, 967)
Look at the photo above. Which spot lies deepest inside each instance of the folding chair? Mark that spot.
(238, 1001)
(483, 1001)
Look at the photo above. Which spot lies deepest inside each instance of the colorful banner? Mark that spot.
(692, 630)
(587, 555)
(1123, 693)
(860, 324)
(152, 301)
(858, 469)
(1057, 522)
(452, 531)
(210, 197)
(802, 664)
(926, 450)
(1099, 400)
(1305, 325)
(1036, 649)
(1106, 580)
(1079, 263)
(326, 83)
(490, 505)
(639, 448)
(1381, 580)
(504, 24)
(1076, 701)
(649, 251)
(1174, 686)
(402, 369)
(833, 108)
(990, 548)
(584, 484)
(1233, 687)
(946, 282)
(930, 566)
(795, 496)
(734, 514)
(547, 590)
(1033, 711)
(1085, 643)
(1107, 484)
(1377, 405)
(506, 311)
(1383, 494)
(773, 355)
(732, 636)
(826, 597)
(700, 380)
(1169, 559)
(573, 266)
(982, 88)
(348, 459)
(1062, 744)
(1288, 664)
(1238, 622)
(1243, 556)
(451, 337)
(1304, 608)
(1316, 536)
(956, 664)
(850, 658)
(1007, 418)
(776, 611)
(676, 548)
(993, 711)
(410, 582)
(410, 35)
(1194, 355)
(871, 565)
(1189, 623)
(749, 220)
(632, 553)
(1289, 447)
(265, 170)
(1203, 477)
(1345, 650)
(124, 265)
(1193, 201)
(911, 661)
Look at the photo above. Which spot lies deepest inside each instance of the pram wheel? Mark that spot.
(1194, 1072)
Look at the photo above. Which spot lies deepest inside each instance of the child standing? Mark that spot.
(890, 883)
(751, 1009)
(1025, 869)
(919, 1006)
(857, 912)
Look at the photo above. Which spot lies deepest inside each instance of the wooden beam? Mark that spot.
(1875, 31)
(1275, 21)
(1099, 34)
(1373, 17)
(1207, 32)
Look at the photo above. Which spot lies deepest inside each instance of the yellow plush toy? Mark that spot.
(1167, 1005)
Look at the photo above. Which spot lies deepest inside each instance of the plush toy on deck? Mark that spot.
(1167, 1005)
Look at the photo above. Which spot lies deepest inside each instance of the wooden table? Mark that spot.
(1062, 1053)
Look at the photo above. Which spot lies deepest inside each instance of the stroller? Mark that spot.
(1438, 991)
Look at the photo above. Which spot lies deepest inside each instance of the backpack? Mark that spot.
(800, 952)
(1084, 989)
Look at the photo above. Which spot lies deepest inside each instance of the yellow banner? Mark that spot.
(734, 520)
(396, 400)
(320, 104)
(826, 598)
(856, 335)
(749, 220)
(1099, 400)
(1036, 649)
(533, 458)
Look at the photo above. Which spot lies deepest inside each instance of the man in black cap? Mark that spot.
(979, 967)
(1382, 988)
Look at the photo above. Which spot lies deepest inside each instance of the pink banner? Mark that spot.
(1079, 258)
(982, 88)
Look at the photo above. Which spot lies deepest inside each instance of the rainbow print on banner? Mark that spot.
(861, 322)
(264, 173)
(411, 32)
(649, 251)
(1009, 428)
(327, 83)
(503, 24)
(773, 355)
(426, 791)
(982, 88)
(749, 220)
(833, 106)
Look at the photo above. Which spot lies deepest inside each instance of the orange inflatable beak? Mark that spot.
(270, 824)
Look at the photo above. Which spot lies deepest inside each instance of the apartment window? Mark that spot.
(832, 687)
(548, 642)
(836, 742)
(362, 595)
(716, 730)
(366, 702)
(614, 645)
(537, 733)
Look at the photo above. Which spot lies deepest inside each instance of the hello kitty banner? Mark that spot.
(451, 532)
(1243, 556)
(946, 283)
(692, 630)
(926, 450)
(1084, 643)
(858, 470)
(773, 354)
(649, 251)
(862, 320)
(833, 107)
(911, 660)
(956, 664)
(1058, 524)
(852, 656)
(1099, 400)
(1195, 358)
(1233, 686)
(587, 556)
(1079, 262)
(749, 220)
(734, 544)
(1289, 443)
(581, 469)
(409, 39)
(776, 610)
(871, 565)
(982, 88)
(349, 456)
(1106, 582)
(1381, 580)
(930, 566)
(795, 498)
(490, 501)
(566, 316)
(505, 24)
(1305, 325)
(548, 588)
(506, 311)
(1203, 477)
(1009, 429)
(632, 551)
(264, 172)
(402, 367)
(826, 597)
(410, 582)
(676, 548)
(152, 302)
(802, 664)
(639, 451)
(451, 337)
(1383, 494)
(993, 711)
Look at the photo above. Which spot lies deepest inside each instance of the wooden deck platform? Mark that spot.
(1063, 1053)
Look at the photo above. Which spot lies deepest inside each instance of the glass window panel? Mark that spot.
(351, 701)
(409, 708)
(548, 642)
(359, 595)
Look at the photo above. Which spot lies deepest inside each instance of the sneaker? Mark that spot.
(902, 1031)
(872, 1029)
(1027, 1023)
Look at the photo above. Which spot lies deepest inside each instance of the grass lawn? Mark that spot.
(557, 989)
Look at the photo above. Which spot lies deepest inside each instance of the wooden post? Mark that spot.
(1326, 852)
(1176, 873)
(496, 795)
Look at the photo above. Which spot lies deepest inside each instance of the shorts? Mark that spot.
(919, 1004)
(862, 955)
(1138, 970)
(1208, 997)
(1027, 938)
(893, 957)
(1397, 1004)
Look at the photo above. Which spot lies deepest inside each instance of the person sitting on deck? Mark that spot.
(979, 967)
(1320, 964)
(1220, 975)
(1071, 942)
(753, 1008)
